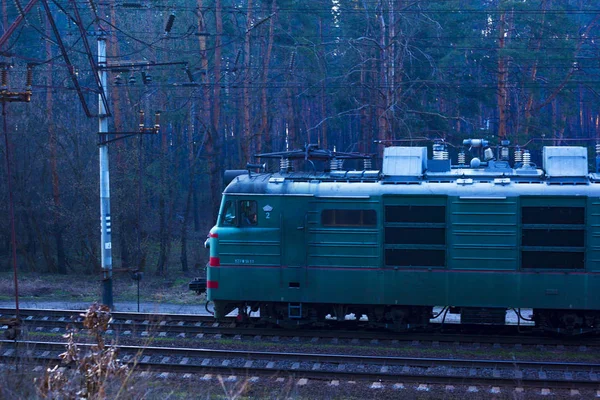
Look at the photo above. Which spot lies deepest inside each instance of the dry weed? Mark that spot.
(92, 373)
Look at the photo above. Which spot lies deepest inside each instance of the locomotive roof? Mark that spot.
(406, 172)
(326, 185)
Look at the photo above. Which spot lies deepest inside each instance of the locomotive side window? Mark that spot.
(349, 218)
(248, 213)
(552, 237)
(228, 217)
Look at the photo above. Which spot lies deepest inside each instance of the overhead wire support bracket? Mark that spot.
(67, 60)
(93, 65)
(142, 130)
(6, 96)
(7, 34)
(127, 66)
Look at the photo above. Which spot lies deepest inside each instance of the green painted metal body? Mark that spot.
(291, 256)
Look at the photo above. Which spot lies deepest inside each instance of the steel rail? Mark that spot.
(329, 358)
(523, 381)
(176, 323)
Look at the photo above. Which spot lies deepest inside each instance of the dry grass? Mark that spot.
(86, 288)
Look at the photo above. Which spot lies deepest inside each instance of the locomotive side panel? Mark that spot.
(415, 242)
(483, 233)
(343, 250)
(592, 260)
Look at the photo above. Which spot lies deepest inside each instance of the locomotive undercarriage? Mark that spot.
(573, 322)
(397, 318)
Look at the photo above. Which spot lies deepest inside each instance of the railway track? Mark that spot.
(190, 326)
(333, 367)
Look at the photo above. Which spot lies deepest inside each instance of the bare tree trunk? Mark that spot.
(365, 126)
(534, 70)
(502, 78)
(265, 132)
(163, 231)
(61, 261)
(207, 125)
(247, 142)
(213, 140)
(190, 191)
(322, 138)
(384, 74)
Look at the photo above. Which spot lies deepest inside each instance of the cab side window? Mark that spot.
(228, 217)
(248, 213)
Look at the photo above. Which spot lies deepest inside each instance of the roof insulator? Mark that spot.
(169, 24)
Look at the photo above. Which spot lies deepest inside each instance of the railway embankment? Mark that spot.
(184, 348)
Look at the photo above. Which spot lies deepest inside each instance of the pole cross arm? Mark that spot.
(16, 23)
(15, 97)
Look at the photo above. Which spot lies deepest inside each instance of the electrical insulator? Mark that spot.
(146, 78)
(333, 164)
(157, 120)
(597, 148)
(367, 164)
(189, 74)
(439, 151)
(284, 165)
(526, 157)
(19, 8)
(141, 124)
(237, 58)
(4, 76)
(461, 158)
(292, 59)
(118, 79)
(518, 155)
(504, 153)
(132, 79)
(169, 23)
(29, 81)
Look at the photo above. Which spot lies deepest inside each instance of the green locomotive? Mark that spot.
(480, 237)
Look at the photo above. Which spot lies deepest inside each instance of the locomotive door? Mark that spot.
(293, 265)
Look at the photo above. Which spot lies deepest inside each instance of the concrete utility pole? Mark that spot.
(105, 221)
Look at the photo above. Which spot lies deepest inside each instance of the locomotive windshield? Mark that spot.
(248, 212)
(246, 209)
(228, 217)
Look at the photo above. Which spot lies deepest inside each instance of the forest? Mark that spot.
(211, 83)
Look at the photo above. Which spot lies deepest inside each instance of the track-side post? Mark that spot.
(105, 221)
